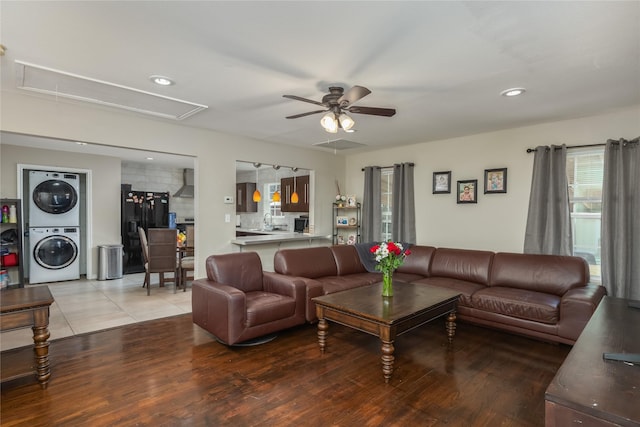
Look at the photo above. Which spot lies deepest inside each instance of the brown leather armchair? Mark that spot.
(238, 301)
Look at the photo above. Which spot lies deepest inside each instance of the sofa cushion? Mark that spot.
(265, 307)
(552, 274)
(462, 264)
(305, 262)
(520, 303)
(465, 288)
(418, 262)
(405, 277)
(347, 260)
(334, 284)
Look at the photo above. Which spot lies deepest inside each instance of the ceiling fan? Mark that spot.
(337, 104)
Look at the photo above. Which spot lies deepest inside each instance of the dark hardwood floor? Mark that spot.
(170, 372)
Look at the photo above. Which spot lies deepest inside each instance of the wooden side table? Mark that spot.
(589, 390)
(21, 308)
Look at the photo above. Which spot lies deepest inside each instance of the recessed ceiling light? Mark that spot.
(514, 91)
(81, 143)
(149, 158)
(161, 80)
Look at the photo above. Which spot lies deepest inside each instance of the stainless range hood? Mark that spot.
(186, 190)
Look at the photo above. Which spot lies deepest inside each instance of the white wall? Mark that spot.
(105, 188)
(215, 154)
(497, 222)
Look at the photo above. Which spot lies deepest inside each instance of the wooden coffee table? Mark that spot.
(366, 310)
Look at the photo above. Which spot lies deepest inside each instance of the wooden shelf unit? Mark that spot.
(348, 233)
(16, 272)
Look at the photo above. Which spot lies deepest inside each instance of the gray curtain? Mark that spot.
(371, 213)
(403, 210)
(548, 221)
(620, 224)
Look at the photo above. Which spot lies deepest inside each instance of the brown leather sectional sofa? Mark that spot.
(542, 296)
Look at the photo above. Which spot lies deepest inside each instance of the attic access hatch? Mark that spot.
(339, 144)
(36, 78)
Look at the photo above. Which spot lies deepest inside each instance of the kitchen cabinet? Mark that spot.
(244, 197)
(301, 185)
(11, 246)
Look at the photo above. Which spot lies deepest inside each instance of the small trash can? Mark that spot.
(109, 262)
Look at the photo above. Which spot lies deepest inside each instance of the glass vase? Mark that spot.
(387, 283)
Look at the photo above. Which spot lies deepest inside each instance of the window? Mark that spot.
(386, 198)
(272, 208)
(585, 168)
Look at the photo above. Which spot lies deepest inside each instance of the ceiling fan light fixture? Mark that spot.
(329, 122)
(346, 122)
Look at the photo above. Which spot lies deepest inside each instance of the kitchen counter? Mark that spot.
(276, 237)
(268, 243)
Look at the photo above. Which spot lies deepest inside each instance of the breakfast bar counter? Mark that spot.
(276, 238)
(266, 245)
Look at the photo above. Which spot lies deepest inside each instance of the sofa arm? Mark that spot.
(577, 307)
(220, 309)
(283, 285)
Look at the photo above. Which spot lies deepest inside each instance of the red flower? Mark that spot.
(407, 252)
(374, 248)
(393, 248)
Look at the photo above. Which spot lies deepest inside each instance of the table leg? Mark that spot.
(387, 359)
(323, 327)
(41, 346)
(451, 326)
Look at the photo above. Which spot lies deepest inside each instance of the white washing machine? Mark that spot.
(55, 254)
(54, 199)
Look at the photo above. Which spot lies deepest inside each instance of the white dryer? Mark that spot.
(54, 199)
(55, 254)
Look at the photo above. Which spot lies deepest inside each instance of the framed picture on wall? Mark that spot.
(467, 191)
(495, 181)
(442, 182)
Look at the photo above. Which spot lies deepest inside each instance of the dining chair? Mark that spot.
(161, 255)
(186, 261)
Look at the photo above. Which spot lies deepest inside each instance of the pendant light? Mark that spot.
(276, 194)
(294, 196)
(256, 194)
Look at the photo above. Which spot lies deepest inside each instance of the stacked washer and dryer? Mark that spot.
(54, 226)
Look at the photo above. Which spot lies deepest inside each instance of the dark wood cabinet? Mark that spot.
(244, 197)
(299, 184)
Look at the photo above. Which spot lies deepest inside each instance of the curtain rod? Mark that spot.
(531, 150)
(388, 167)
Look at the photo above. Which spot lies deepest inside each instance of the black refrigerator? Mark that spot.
(140, 209)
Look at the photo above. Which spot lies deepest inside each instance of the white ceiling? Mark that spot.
(442, 65)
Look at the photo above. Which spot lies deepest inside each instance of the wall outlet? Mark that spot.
(228, 200)
(227, 217)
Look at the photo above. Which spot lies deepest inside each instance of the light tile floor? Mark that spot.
(83, 306)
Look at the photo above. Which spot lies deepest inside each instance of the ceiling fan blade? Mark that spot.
(305, 114)
(355, 93)
(298, 98)
(387, 112)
